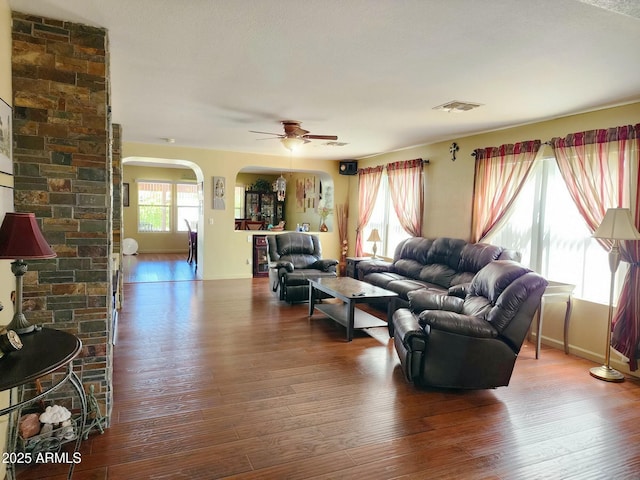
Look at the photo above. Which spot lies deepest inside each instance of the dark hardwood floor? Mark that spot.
(155, 267)
(218, 379)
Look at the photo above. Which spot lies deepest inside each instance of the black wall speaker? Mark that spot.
(348, 167)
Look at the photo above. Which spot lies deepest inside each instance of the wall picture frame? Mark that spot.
(6, 138)
(125, 194)
(219, 193)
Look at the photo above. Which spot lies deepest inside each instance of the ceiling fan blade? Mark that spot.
(279, 135)
(321, 137)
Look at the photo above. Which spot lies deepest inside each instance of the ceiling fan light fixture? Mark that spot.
(291, 143)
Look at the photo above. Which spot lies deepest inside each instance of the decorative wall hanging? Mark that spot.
(219, 192)
(452, 150)
(299, 195)
(6, 162)
(310, 195)
(280, 187)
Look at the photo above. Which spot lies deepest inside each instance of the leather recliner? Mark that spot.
(470, 336)
(294, 258)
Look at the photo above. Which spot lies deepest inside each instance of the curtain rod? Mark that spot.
(548, 142)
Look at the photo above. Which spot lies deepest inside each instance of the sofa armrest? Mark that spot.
(420, 300)
(365, 267)
(407, 328)
(281, 264)
(325, 264)
(451, 322)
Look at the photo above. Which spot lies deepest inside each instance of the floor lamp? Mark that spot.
(20, 239)
(616, 225)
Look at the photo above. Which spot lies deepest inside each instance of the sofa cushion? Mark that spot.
(512, 298)
(404, 286)
(477, 255)
(477, 306)
(462, 277)
(415, 248)
(495, 277)
(426, 299)
(446, 251)
(456, 323)
(382, 279)
(408, 267)
(438, 274)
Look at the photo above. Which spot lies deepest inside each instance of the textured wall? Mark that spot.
(62, 173)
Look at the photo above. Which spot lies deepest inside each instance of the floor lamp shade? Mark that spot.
(21, 239)
(616, 225)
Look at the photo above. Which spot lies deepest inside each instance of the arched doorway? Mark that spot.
(164, 239)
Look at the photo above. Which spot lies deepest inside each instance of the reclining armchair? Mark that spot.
(470, 336)
(294, 258)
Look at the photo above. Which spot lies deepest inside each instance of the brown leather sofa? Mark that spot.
(294, 258)
(470, 336)
(433, 264)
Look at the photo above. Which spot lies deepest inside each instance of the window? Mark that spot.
(545, 225)
(238, 203)
(164, 206)
(187, 205)
(154, 207)
(384, 218)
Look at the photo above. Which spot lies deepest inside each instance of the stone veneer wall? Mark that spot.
(62, 170)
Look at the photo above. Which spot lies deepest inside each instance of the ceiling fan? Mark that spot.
(294, 135)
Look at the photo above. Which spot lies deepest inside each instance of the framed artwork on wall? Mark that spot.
(6, 162)
(125, 194)
(219, 193)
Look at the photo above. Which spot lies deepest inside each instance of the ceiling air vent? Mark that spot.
(335, 144)
(457, 106)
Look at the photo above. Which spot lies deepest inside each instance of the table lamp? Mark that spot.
(20, 239)
(374, 237)
(616, 225)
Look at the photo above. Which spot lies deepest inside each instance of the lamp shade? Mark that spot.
(617, 225)
(291, 142)
(374, 236)
(21, 238)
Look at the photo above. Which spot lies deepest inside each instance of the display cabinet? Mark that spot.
(260, 256)
(263, 206)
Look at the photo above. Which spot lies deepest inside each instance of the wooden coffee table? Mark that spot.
(351, 292)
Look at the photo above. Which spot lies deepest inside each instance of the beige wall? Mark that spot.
(7, 280)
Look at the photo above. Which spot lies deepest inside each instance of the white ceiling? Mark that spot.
(205, 72)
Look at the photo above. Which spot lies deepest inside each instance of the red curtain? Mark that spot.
(407, 193)
(500, 173)
(368, 184)
(626, 321)
(594, 173)
(598, 167)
